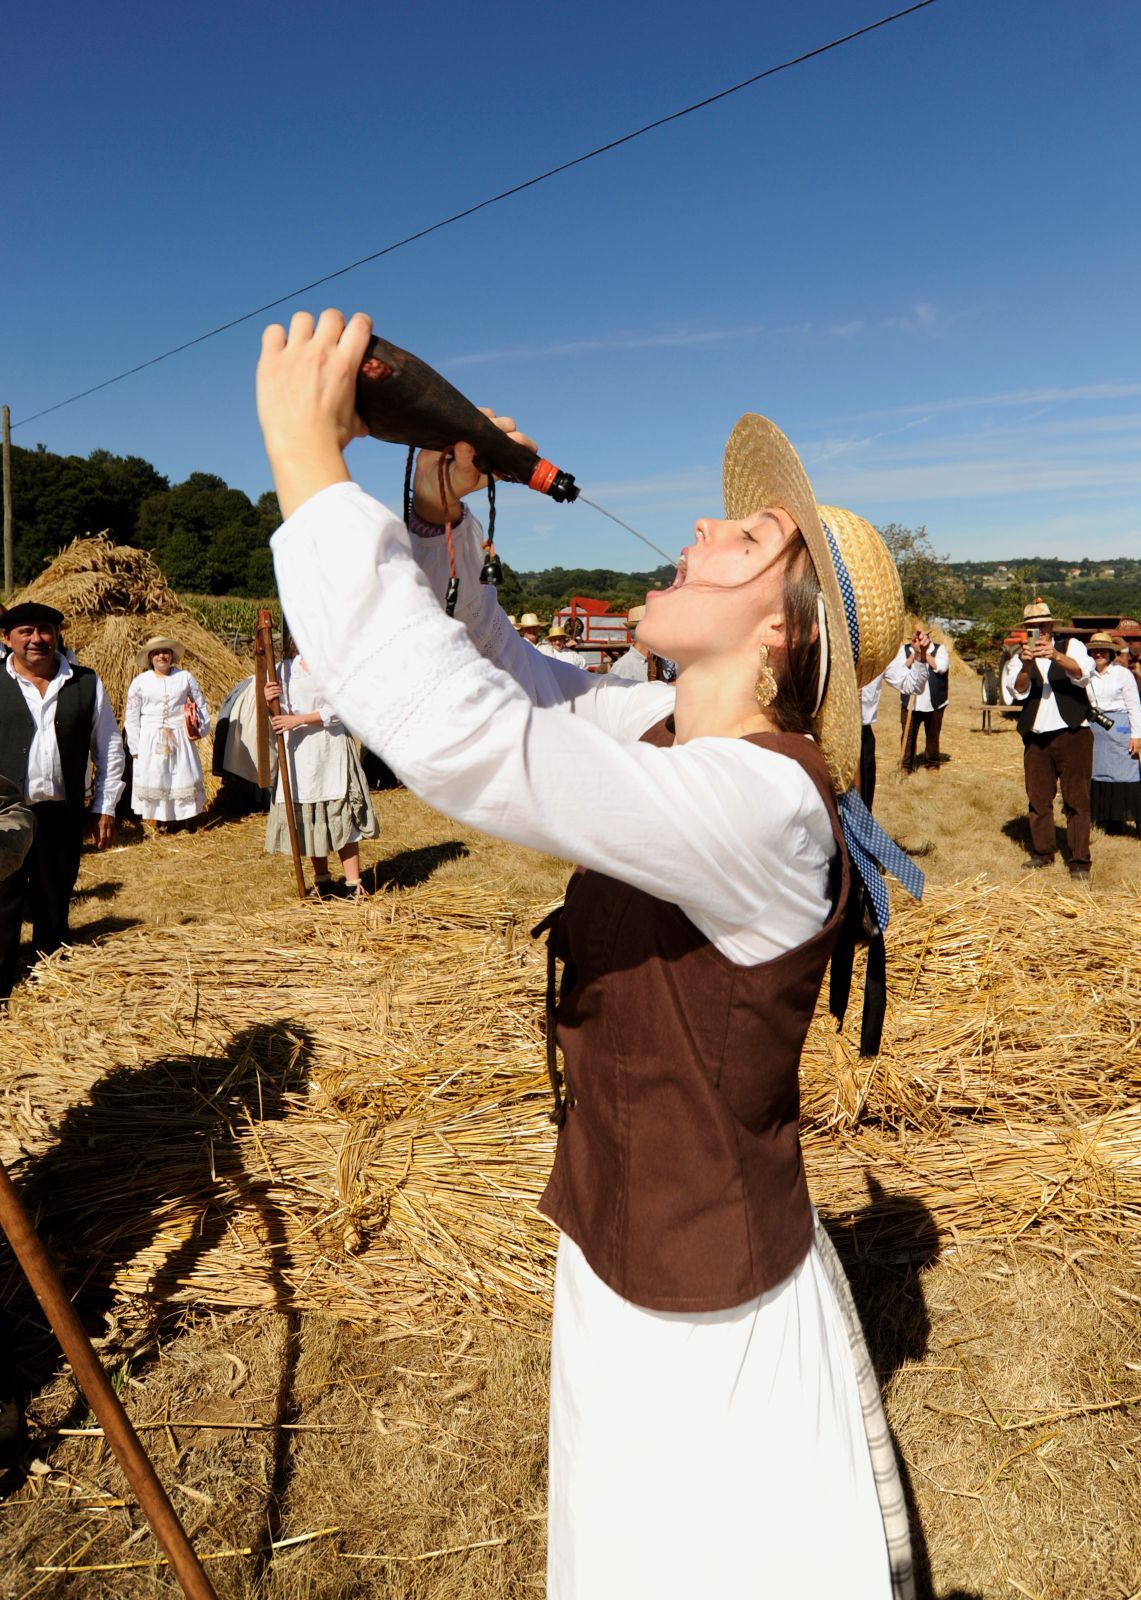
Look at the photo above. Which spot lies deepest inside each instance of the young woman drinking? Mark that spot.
(715, 1425)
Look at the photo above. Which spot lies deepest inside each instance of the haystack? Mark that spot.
(347, 1113)
(113, 598)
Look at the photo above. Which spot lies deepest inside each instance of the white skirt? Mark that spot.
(714, 1455)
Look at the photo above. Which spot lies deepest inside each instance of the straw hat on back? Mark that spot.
(159, 642)
(863, 601)
(557, 632)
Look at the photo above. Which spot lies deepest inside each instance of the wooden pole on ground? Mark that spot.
(265, 656)
(7, 465)
(37, 1267)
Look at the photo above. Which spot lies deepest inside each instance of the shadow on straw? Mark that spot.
(153, 1151)
(408, 868)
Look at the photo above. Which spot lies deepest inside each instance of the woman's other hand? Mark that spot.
(272, 691)
(284, 721)
(306, 393)
(462, 476)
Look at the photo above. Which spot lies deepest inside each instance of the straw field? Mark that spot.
(318, 1131)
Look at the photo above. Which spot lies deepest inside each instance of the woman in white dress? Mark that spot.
(164, 707)
(715, 1424)
(1115, 791)
(330, 794)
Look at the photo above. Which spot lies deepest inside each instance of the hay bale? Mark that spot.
(113, 598)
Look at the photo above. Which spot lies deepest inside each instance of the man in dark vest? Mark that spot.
(1057, 741)
(54, 717)
(926, 707)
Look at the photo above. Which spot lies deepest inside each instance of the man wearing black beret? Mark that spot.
(54, 717)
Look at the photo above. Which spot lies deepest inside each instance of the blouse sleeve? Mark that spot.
(133, 718)
(720, 827)
(545, 679)
(199, 699)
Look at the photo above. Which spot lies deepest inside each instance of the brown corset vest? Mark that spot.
(678, 1171)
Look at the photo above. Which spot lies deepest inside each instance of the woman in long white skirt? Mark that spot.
(715, 1423)
(165, 706)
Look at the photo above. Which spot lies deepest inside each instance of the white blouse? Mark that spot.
(1116, 690)
(481, 726)
(318, 751)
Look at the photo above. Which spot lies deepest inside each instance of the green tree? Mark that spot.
(930, 588)
(59, 498)
(202, 533)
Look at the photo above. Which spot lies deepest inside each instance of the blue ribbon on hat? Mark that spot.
(869, 847)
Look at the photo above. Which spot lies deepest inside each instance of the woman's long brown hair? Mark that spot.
(797, 669)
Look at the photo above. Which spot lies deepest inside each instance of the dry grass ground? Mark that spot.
(1012, 1366)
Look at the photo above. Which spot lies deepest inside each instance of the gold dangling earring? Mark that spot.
(765, 688)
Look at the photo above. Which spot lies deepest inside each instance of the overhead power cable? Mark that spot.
(491, 200)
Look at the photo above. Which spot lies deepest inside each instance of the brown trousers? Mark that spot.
(932, 722)
(1047, 759)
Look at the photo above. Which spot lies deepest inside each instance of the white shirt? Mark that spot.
(44, 778)
(487, 730)
(633, 665)
(571, 657)
(1116, 690)
(1047, 719)
(897, 675)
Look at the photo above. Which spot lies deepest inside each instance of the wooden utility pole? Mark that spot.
(7, 504)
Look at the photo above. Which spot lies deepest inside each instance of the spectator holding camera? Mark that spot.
(1057, 743)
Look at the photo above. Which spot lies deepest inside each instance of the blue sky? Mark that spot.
(918, 254)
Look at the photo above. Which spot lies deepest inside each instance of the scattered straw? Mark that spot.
(345, 1109)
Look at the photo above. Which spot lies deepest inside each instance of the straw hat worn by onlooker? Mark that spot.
(166, 715)
(529, 627)
(331, 804)
(1115, 792)
(1057, 744)
(710, 828)
(54, 718)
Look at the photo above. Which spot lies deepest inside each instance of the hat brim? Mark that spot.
(146, 651)
(761, 468)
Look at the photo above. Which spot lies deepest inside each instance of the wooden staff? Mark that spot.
(906, 732)
(36, 1264)
(264, 658)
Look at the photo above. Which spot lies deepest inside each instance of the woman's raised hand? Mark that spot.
(306, 392)
(461, 475)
